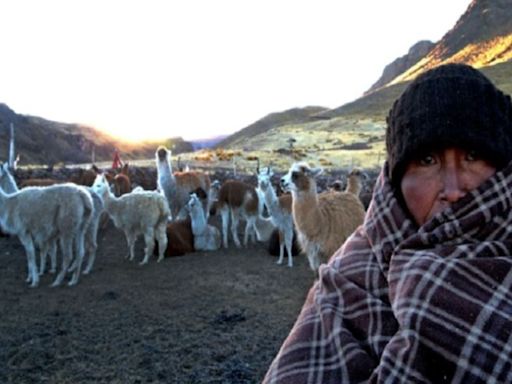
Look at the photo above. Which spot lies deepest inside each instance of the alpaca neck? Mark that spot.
(8, 184)
(198, 221)
(7, 206)
(165, 175)
(271, 200)
(353, 186)
(306, 214)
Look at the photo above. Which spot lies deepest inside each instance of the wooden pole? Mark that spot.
(12, 152)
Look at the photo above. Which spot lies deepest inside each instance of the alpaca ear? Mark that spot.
(316, 171)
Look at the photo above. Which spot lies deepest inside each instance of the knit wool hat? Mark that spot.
(453, 105)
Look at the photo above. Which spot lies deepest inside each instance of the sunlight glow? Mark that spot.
(159, 69)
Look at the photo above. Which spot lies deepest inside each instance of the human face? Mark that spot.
(433, 182)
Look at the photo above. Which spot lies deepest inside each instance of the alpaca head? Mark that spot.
(359, 174)
(215, 186)
(355, 180)
(162, 154)
(264, 177)
(193, 203)
(100, 185)
(300, 178)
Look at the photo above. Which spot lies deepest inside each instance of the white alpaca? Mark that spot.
(206, 237)
(42, 215)
(323, 222)
(141, 213)
(280, 210)
(8, 184)
(177, 186)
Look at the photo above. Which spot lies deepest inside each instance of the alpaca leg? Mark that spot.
(66, 247)
(43, 251)
(161, 236)
(224, 214)
(79, 257)
(288, 241)
(249, 230)
(254, 232)
(130, 240)
(149, 241)
(91, 239)
(313, 258)
(92, 247)
(281, 247)
(33, 275)
(234, 227)
(53, 257)
(50, 249)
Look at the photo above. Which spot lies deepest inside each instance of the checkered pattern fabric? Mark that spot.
(402, 304)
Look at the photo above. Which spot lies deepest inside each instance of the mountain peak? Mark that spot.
(481, 37)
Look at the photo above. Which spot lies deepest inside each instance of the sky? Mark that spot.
(155, 69)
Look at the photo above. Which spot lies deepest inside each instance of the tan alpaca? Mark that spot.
(323, 221)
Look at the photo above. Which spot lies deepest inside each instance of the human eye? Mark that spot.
(472, 155)
(427, 159)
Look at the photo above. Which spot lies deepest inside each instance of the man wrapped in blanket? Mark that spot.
(422, 291)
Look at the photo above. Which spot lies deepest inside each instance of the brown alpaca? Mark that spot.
(323, 221)
(180, 239)
(122, 182)
(238, 200)
(85, 176)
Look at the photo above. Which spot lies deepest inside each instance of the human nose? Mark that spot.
(453, 185)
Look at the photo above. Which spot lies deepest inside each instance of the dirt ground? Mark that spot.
(217, 317)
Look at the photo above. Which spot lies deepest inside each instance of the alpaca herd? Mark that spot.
(55, 217)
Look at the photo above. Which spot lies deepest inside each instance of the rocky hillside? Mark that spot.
(481, 37)
(417, 52)
(273, 120)
(45, 142)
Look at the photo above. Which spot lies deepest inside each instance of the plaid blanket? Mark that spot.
(402, 304)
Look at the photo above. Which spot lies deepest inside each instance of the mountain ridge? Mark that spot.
(482, 37)
(47, 142)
